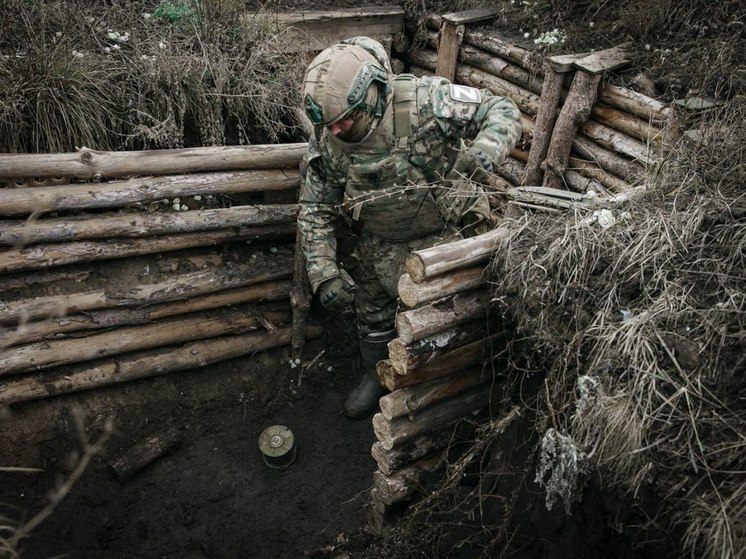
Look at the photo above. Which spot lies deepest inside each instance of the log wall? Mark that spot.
(152, 262)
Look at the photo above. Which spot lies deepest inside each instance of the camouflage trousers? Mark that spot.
(380, 265)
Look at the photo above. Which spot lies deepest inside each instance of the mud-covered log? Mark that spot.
(145, 452)
(44, 355)
(512, 170)
(578, 182)
(396, 432)
(401, 484)
(480, 353)
(407, 357)
(575, 111)
(18, 201)
(389, 461)
(414, 399)
(142, 365)
(113, 318)
(88, 164)
(59, 254)
(413, 294)
(415, 324)
(544, 126)
(140, 224)
(181, 286)
(463, 253)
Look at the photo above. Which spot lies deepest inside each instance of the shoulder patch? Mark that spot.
(465, 94)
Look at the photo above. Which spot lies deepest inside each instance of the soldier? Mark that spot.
(402, 156)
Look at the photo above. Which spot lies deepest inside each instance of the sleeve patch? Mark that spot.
(465, 94)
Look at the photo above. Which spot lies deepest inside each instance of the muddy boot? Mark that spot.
(363, 399)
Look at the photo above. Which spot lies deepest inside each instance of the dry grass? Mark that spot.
(640, 327)
(142, 75)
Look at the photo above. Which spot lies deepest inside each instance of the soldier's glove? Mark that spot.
(472, 164)
(337, 294)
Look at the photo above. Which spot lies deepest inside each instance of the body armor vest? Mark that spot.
(384, 191)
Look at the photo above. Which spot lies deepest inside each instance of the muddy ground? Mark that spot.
(213, 496)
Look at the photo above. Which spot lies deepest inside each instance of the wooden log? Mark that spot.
(139, 224)
(183, 286)
(574, 112)
(44, 355)
(544, 126)
(581, 183)
(402, 429)
(144, 453)
(480, 354)
(645, 107)
(114, 194)
(628, 171)
(413, 399)
(401, 484)
(504, 49)
(312, 30)
(142, 365)
(89, 164)
(501, 68)
(449, 41)
(17, 281)
(114, 318)
(421, 322)
(407, 357)
(627, 123)
(591, 170)
(389, 461)
(414, 294)
(617, 141)
(512, 170)
(463, 253)
(59, 254)
(527, 101)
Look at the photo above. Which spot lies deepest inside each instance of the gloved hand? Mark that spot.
(337, 294)
(473, 164)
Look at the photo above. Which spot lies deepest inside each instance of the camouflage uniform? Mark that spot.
(392, 182)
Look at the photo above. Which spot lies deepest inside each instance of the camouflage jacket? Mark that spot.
(388, 180)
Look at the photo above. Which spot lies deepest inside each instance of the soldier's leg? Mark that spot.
(376, 308)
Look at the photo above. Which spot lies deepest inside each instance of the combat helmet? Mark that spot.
(345, 81)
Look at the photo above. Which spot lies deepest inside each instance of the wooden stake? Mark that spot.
(574, 112)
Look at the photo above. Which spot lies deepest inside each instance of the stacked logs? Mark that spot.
(62, 224)
(441, 367)
(624, 133)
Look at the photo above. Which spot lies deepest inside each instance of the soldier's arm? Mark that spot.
(486, 122)
(321, 196)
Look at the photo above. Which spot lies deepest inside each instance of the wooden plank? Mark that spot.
(601, 61)
(316, 30)
(563, 63)
(449, 44)
(469, 16)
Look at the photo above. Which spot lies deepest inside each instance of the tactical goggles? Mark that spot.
(355, 98)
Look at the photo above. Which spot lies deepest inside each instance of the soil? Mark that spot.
(213, 496)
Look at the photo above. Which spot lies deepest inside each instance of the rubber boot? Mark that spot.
(363, 399)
